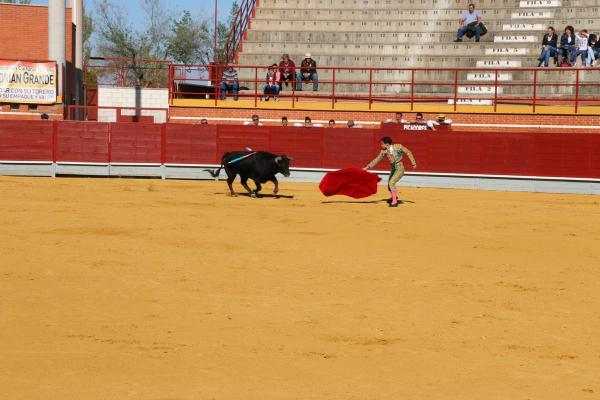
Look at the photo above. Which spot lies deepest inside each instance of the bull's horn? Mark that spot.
(291, 159)
(278, 159)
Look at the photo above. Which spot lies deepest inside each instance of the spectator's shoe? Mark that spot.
(477, 40)
(235, 98)
(457, 40)
(276, 98)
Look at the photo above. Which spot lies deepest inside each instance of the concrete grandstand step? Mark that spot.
(516, 39)
(540, 3)
(383, 5)
(532, 15)
(363, 37)
(499, 64)
(507, 51)
(523, 27)
(471, 102)
(462, 90)
(489, 77)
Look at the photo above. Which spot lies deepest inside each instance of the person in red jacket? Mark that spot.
(287, 69)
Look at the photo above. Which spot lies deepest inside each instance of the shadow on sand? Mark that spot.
(363, 201)
(262, 196)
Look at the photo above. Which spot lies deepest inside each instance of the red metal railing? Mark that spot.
(533, 87)
(239, 27)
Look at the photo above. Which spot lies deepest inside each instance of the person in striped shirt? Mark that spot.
(230, 83)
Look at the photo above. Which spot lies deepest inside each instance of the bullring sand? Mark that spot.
(168, 290)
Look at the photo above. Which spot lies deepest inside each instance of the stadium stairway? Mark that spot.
(418, 34)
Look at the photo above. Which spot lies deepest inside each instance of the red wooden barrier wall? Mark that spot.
(573, 155)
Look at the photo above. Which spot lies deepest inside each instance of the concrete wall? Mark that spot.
(132, 97)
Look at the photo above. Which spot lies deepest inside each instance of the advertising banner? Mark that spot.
(28, 82)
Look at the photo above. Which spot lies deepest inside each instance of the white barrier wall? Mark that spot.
(132, 97)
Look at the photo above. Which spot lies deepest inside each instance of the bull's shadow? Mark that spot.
(260, 195)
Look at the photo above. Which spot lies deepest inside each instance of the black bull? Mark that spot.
(259, 166)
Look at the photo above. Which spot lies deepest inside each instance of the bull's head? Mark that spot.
(283, 165)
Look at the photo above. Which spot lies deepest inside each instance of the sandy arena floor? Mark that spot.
(168, 290)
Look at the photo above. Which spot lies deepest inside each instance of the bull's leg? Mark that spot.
(276, 182)
(258, 187)
(230, 179)
(245, 185)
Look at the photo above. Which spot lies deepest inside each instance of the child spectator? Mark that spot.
(308, 72)
(331, 123)
(287, 69)
(582, 49)
(284, 121)
(593, 49)
(272, 87)
(549, 47)
(567, 46)
(230, 83)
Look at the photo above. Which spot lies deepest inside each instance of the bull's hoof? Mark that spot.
(232, 194)
(253, 195)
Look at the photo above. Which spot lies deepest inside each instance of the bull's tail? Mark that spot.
(215, 172)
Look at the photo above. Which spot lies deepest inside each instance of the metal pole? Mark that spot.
(215, 38)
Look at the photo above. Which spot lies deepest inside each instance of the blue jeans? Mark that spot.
(591, 56)
(546, 54)
(583, 54)
(271, 90)
(314, 77)
(232, 87)
(463, 31)
(567, 51)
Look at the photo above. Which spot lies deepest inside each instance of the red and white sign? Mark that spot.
(28, 82)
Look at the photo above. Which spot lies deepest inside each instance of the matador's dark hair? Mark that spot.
(386, 140)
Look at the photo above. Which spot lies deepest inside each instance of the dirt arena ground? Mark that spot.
(169, 290)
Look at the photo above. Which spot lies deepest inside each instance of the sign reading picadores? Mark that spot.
(27, 82)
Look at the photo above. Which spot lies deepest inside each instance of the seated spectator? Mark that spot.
(203, 121)
(549, 47)
(582, 48)
(398, 120)
(419, 120)
(272, 87)
(287, 69)
(230, 83)
(44, 116)
(567, 47)
(593, 49)
(308, 72)
(469, 21)
(331, 123)
(284, 121)
(351, 124)
(255, 121)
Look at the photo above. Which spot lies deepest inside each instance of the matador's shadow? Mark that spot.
(364, 201)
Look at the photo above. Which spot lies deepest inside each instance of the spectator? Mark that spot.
(351, 124)
(287, 69)
(203, 121)
(469, 21)
(332, 123)
(308, 123)
(272, 87)
(308, 72)
(582, 49)
(398, 120)
(284, 121)
(419, 119)
(549, 47)
(567, 46)
(230, 83)
(442, 120)
(45, 116)
(593, 49)
(255, 121)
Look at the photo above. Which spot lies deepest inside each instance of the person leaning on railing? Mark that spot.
(230, 83)
(308, 72)
(549, 47)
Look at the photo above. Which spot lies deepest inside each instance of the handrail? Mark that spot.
(239, 26)
(534, 87)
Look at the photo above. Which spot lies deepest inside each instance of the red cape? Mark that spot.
(353, 182)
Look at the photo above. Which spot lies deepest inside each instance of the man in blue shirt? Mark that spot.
(469, 20)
